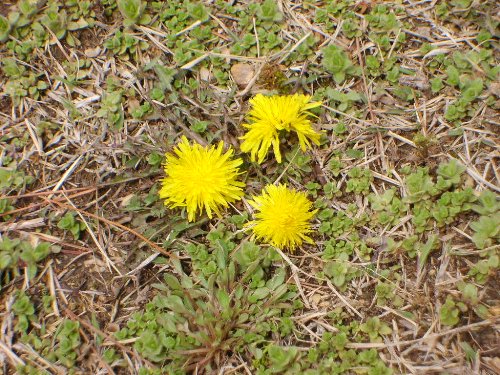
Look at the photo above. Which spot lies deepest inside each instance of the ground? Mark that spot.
(98, 275)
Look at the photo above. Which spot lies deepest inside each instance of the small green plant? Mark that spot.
(486, 231)
(5, 206)
(124, 44)
(15, 254)
(133, 12)
(142, 111)
(388, 207)
(343, 101)
(336, 61)
(334, 223)
(359, 180)
(382, 19)
(484, 268)
(69, 222)
(375, 328)
(24, 310)
(12, 179)
(449, 313)
(488, 203)
(112, 109)
(68, 341)
(224, 305)
(268, 13)
(22, 82)
(386, 294)
(449, 174)
(281, 359)
(341, 271)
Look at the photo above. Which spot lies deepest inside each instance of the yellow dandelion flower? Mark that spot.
(201, 178)
(283, 217)
(271, 114)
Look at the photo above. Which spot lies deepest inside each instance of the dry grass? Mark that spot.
(83, 165)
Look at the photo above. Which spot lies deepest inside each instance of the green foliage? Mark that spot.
(386, 294)
(442, 200)
(375, 328)
(24, 310)
(449, 313)
(133, 12)
(451, 204)
(382, 19)
(359, 180)
(15, 254)
(341, 271)
(4, 28)
(12, 179)
(55, 20)
(424, 250)
(67, 342)
(198, 12)
(488, 203)
(22, 82)
(343, 101)
(268, 12)
(334, 223)
(69, 222)
(484, 268)
(5, 206)
(388, 207)
(229, 303)
(124, 44)
(112, 109)
(449, 174)
(486, 231)
(282, 358)
(142, 111)
(336, 61)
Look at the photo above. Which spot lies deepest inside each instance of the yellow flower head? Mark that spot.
(269, 115)
(201, 178)
(283, 217)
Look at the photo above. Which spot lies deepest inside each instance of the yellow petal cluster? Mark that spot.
(201, 178)
(269, 115)
(283, 217)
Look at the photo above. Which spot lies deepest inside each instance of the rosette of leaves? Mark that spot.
(268, 13)
(21, 82)
(227, 304)
(15, 254)
(486, 231)
(133, 12)
(420, 186)
(112, 109)
(388, 207)
(336, 61)
(375, 328)
(59, 22)
(359, 180)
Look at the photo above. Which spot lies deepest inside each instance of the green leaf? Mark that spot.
(280, 357)
(224, 299)
(489, 203)
(4, 28)
(258, 294)
(486, 230)
(336, 61)
(130, 9)
(425, 250)
(449, 313)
